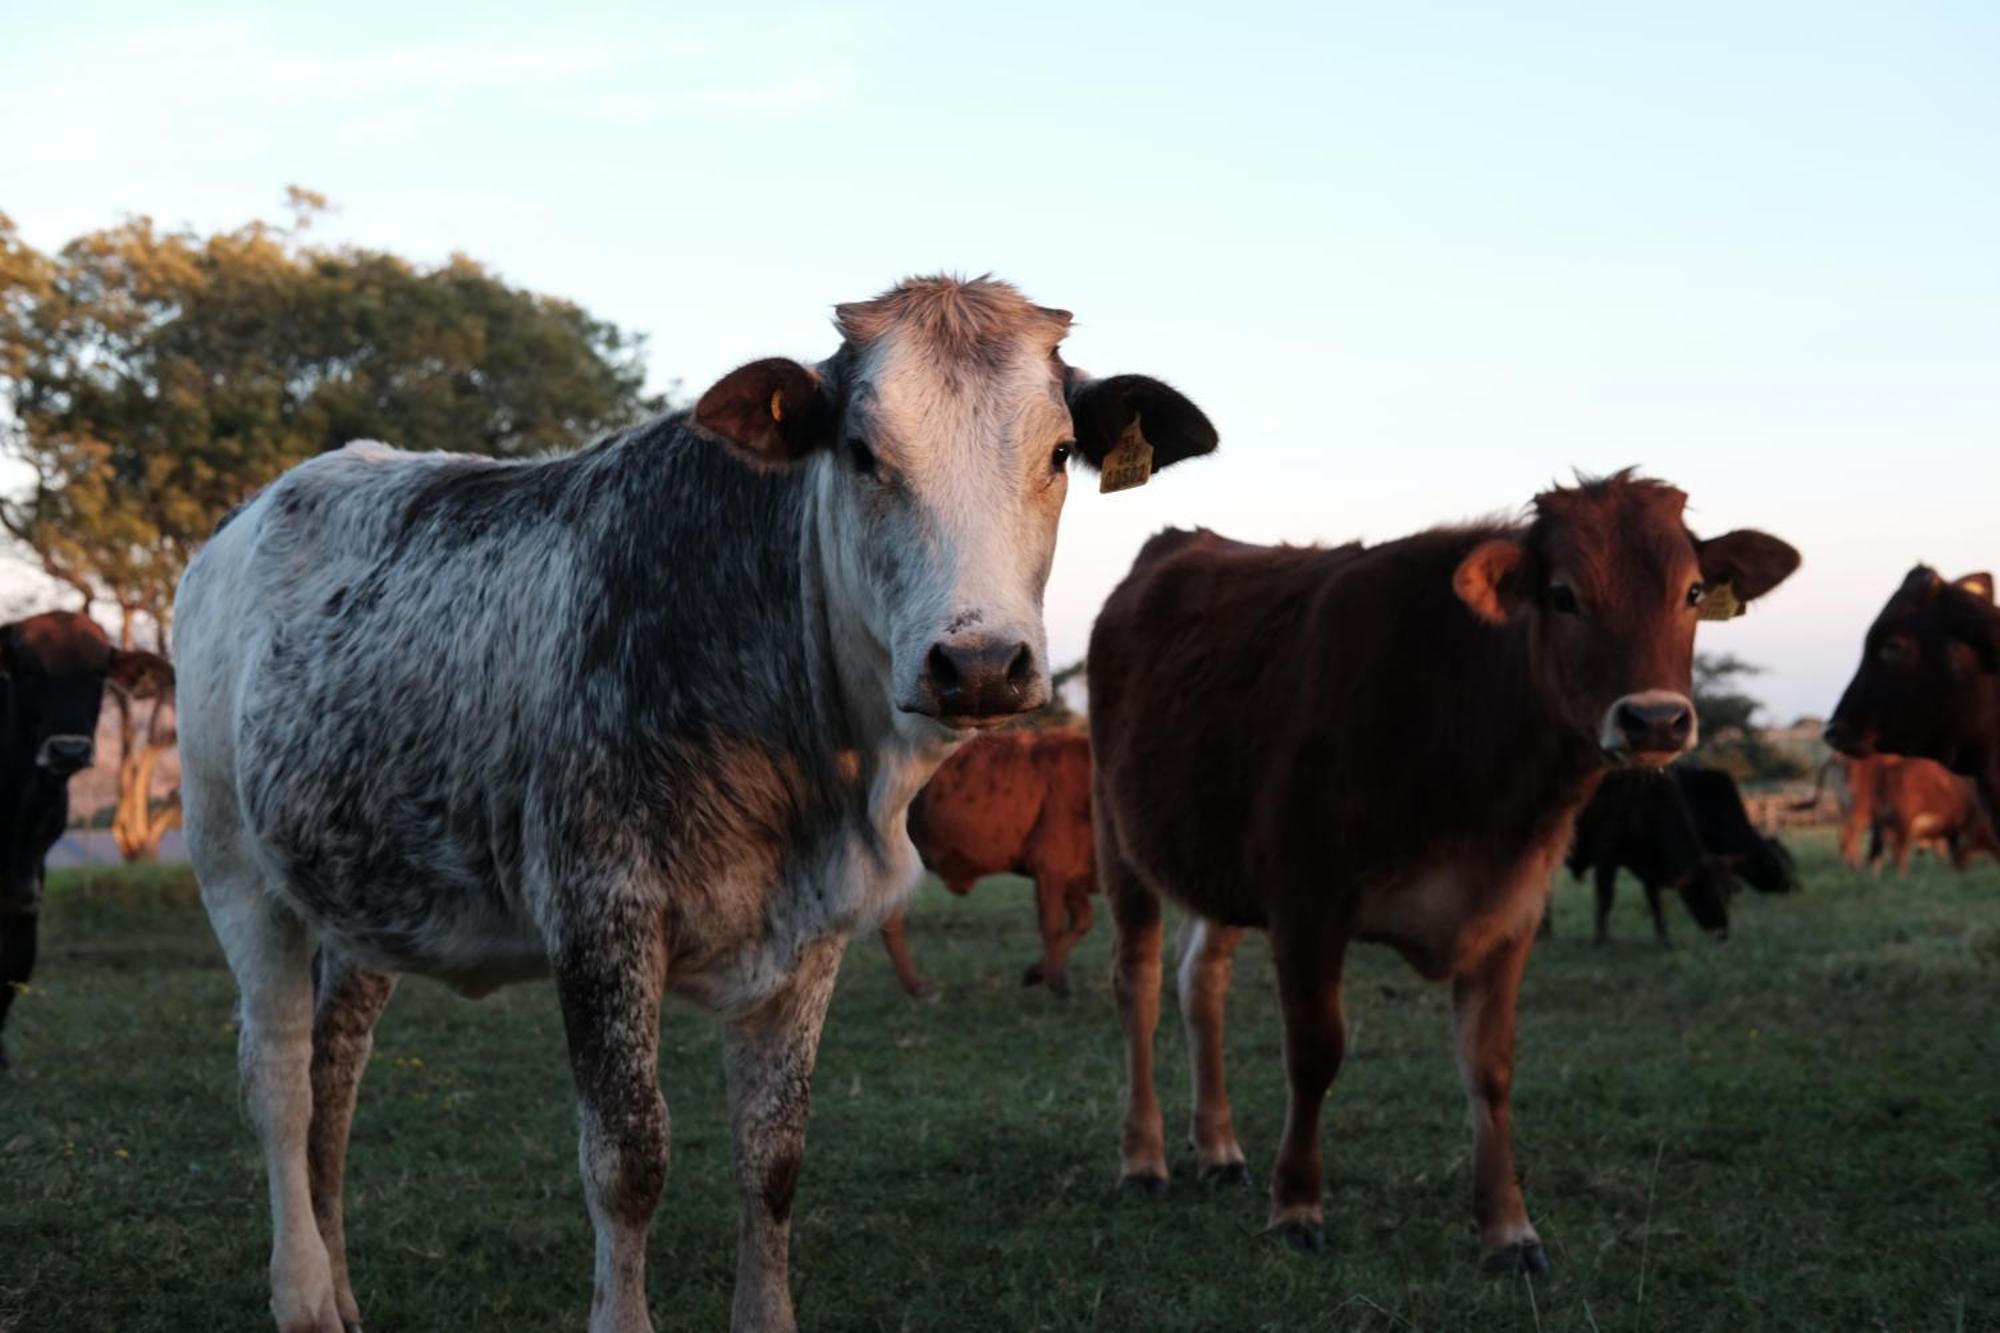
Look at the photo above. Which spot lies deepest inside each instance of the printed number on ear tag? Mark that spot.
(1720, 604)
(1129, 463)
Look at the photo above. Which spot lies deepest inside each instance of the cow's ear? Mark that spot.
(1750, 562)
(1973, 621)
(140, 674)
(772, 412)
(1979, 585)
(1131, 426)
(1491, 581)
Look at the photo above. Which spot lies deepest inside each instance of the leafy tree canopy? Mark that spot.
(150, 379)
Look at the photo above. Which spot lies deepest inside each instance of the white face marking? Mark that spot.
(947, 535)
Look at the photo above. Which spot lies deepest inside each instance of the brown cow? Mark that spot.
(1929, 681)
(1903, 802)
(1386, 744)
(1018, 803)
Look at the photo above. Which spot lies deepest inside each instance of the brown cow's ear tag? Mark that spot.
(1721, 603)
(1129, 463)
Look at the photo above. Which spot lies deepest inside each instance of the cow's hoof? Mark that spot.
(1143, 1186)
(1059, 986)
(1527, 1259)
(1226, 1174)
(923, 990)
(1305, 1237)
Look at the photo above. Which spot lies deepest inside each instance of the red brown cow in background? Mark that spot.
(1385, 744)
(1015, 802)
(1929, 681)
(1903, 802)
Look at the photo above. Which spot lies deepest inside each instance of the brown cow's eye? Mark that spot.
(1060, 458)
(1562, 598)
(1696, 591)
(860, 456)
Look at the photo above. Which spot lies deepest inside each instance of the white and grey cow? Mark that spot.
(648, 717)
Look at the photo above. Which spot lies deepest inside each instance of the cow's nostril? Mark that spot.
(1021, 670)
(1631, 721)
(944, 671)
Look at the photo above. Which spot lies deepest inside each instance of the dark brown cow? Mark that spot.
(1929, 681)
(1902, 803)
(1013, 803)
(1387, 744)
(53, 669)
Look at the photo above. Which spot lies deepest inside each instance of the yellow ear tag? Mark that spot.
(1129, 463)
(777, 404)
(1720, 604)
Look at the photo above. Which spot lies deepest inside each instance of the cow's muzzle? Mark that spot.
(979, 682)
(1651, 726)
(1849, 739)
(64, 755)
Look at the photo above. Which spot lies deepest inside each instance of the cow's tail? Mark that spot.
(1819, 786)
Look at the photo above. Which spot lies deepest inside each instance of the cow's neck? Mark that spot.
(897, 754)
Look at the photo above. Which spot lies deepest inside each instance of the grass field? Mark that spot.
(1799, 1129)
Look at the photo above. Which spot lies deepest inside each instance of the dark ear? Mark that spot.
(140, 674)
(1103, 411)
(772, 412)
(1972, 620)
(1490, 580)
(1750, 562)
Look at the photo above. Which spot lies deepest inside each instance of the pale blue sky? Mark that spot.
(1416, 260)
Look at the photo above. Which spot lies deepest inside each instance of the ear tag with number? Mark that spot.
(1129, 463)
(1721, 603)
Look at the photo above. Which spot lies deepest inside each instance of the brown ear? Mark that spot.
(1103, 410)
(140, 674)
(1979, 585)
(1750, 562)
(1972, 620)
(1488, 580)
(772, 412)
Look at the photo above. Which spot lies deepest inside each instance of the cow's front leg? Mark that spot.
(769, 1053)
(1309, 967)
(350, 1000)
(1483, 1000)
(19, 930)
(896, 940)
(610, 980)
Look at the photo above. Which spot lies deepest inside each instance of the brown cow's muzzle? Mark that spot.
(65, 755)
(1849, 739)
(1652, 726)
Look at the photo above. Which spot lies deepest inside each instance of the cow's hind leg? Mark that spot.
(19, 932)
(271, 957)
(1309, 968)
(1135, 978)
(350, 1001)
(1483, 1000)
(1607, 893)
(610, 979)
(1207, 956)
(770, 1053)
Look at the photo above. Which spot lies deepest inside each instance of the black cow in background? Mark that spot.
(1684, 829)
(53, 668)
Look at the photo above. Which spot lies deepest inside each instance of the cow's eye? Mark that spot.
(860, 456)
(1060, 458)
(1696, 591)
(1562, 598)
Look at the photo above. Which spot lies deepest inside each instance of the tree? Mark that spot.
(1730, 736)
(151, 379)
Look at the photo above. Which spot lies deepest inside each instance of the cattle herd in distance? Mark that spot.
(699, 778)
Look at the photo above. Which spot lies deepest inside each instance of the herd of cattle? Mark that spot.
(681, 712)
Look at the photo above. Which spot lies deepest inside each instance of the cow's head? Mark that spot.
(940, 436)
(1929, 674)
(1609, 584)
(1706, 892)
(55, 666)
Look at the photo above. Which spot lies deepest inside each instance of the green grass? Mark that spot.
(1799, 1129)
